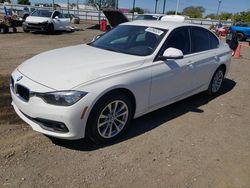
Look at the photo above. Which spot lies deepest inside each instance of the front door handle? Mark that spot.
(190, 63)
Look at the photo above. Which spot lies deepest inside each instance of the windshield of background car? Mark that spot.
(128, 39)
(146, 17)
(42, 13)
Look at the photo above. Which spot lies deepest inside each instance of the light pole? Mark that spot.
(116, 4)
(218, 8)
(156, 3)
(133, 10)
(177, 6)
(68, 6)
(53, 4)
(164, 6)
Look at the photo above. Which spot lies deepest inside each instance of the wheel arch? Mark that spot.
(224, 67)
(122, 89)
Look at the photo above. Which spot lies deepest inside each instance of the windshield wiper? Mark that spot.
(110, 49)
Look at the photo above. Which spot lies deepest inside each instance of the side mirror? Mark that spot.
(57, 17)
(171, 53)
(95, 38)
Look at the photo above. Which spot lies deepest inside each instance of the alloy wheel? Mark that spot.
(217, 81)
(112, 119)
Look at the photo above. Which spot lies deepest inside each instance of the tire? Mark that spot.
(240, 36)
(25, 16)
(14, 30)
(104, 125)
(216, 82)
(26, 30)
(5, 30)
(50, 29)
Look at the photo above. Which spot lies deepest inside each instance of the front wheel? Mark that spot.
(50, 28)
(109, 118)
(25, 30)
(5, 29)
(216, 81)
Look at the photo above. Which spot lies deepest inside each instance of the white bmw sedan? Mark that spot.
(96, 89)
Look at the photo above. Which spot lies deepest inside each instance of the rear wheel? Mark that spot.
(25, 16)
(216, 81)
(109, 118)
(240, 36)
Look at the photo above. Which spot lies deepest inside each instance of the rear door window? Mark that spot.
(214, 42)
(200, 40)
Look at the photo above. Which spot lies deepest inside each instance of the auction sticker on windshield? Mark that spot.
(154, 31)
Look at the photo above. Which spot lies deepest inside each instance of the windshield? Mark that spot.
(42, 13)
(128, 39)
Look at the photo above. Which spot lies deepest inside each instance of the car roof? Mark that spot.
(158, 24)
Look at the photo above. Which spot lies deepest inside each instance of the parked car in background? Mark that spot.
(73, 18)
(174, 18)
(149, 17)
(242, 30)
(45, 20)
(96, 89)
(25, 12)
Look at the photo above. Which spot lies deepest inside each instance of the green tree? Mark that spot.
(138, 10)
(23, 2)
(172, 12)
(212, 16)
(193, 12)
(102, 3)
(226, 15)
(242, 17)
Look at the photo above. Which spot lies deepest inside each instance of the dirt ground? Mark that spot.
(199, 142)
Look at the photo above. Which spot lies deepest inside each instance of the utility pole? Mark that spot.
(133, 15)
(116, 4)
(53, 5)
(177, 7)
(99, 13)
(77, 6)
(68, 6)
(156, 3)
(218, 8)
(164, 6)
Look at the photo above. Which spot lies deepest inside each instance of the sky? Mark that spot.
(209, 5)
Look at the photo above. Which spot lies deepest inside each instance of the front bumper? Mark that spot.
(36, 26)
(36, 108)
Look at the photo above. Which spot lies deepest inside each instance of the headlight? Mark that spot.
(44, 23)
(62, 98)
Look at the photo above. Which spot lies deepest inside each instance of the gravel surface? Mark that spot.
(199, 142)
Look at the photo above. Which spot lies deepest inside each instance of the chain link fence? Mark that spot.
(85, 12)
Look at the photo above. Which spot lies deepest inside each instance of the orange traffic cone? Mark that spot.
(237, 52)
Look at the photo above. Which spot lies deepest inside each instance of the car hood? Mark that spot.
(115, 17)
(66, 68)
(36, 19)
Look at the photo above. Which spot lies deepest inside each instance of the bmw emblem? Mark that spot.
(19, 78)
